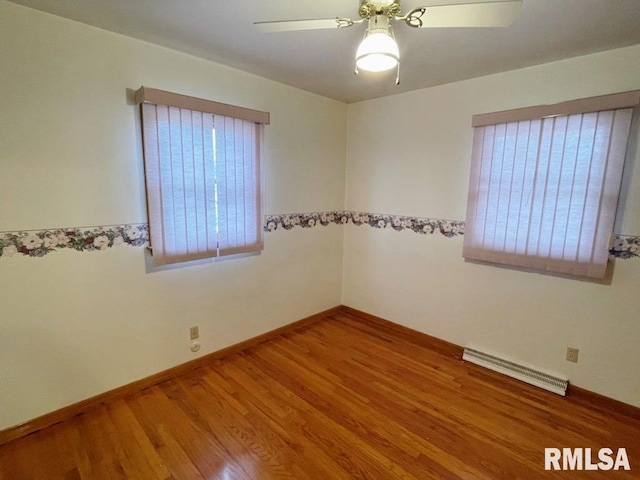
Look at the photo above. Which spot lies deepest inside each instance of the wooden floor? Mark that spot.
(338, 399)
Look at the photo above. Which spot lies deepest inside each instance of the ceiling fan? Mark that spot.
(379, 51)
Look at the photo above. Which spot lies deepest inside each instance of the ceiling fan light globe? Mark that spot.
(376, 62)
(377, 52)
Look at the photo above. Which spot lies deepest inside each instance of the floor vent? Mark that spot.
(553, 383)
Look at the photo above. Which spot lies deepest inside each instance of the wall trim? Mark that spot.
(447, 349)
(421, 225)
(38, 243)
(83, 406)
(623, 247)
(575, 394)
(595, 400)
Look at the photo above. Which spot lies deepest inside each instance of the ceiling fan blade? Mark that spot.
(487, 14)
(311, 24)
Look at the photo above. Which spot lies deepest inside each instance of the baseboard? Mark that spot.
(433, 343)
(83, 406)
(595, 400)
(574, 394)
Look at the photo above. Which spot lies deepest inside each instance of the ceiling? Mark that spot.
(322, 61)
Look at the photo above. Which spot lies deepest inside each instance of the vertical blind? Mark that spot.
(237, 144)
(203, 183)
(543, 192)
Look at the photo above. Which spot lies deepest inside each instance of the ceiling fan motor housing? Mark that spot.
(370, 8)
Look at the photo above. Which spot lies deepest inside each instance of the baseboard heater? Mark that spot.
(533, 376)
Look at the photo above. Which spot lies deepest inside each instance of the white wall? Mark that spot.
(409, 155)
(75, 324)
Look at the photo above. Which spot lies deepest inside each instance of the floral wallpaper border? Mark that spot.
(424, 226)
(624, 246)
(38, 243)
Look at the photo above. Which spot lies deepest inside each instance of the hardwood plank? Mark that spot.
(346, 396)
(136, 452)
(182, 442)
(97, 434)
(315, 407)
(28, 458)
(285, 411)
(366, 427)
(258, 458)
(374, 409)
(71, 449)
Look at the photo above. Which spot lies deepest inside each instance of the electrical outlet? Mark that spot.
(194, 332)
(572, 354)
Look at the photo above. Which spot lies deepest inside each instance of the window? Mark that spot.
(545, 182)
(203, 180)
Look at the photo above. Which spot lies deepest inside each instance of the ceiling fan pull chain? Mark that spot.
(398, 74)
